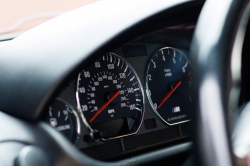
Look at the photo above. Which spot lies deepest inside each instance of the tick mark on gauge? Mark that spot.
(129, 73)
(118, 63)
(132, 78)
(135, 83)
(162, 52)
(126, 68)
(110, 58)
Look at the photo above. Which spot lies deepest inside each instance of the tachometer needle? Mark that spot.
(169, 94)
(104, 106)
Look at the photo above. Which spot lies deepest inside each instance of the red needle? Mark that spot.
(169, 94)
(104, 106)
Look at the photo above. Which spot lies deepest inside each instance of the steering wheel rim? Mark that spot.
(216, 52)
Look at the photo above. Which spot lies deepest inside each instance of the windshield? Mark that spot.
(22, 15)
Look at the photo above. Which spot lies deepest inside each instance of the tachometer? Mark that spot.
(169, 85)
(110, 97)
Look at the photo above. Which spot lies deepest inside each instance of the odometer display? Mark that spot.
(110, 97)
(169, 85)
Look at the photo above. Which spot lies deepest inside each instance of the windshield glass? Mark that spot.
(18, 16)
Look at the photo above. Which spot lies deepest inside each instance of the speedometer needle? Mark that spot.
(104, 106)
(169, 94)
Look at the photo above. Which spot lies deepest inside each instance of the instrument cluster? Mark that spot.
(141, 89)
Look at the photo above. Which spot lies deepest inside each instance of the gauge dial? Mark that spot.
(110, 97)
(169, 85)
(63, 118)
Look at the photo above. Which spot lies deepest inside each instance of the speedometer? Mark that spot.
(110, 97)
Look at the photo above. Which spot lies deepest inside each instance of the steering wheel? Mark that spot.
(216, 50)
(33, 66)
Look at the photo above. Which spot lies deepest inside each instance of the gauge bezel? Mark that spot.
(78, 123)
(146, 82)
(81, 112)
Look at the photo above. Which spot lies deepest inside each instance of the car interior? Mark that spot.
(127, 82)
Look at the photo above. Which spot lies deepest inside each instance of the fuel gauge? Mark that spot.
(64, 119)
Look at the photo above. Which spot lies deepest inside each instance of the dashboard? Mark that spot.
(130, 88)
(135, 97)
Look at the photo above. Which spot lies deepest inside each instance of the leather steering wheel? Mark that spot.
(216, 50)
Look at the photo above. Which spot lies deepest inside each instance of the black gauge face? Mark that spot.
(110, 97)
(63, 118)
(169, 85)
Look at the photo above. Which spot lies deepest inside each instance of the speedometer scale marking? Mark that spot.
(97, 84)
(169, 85)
